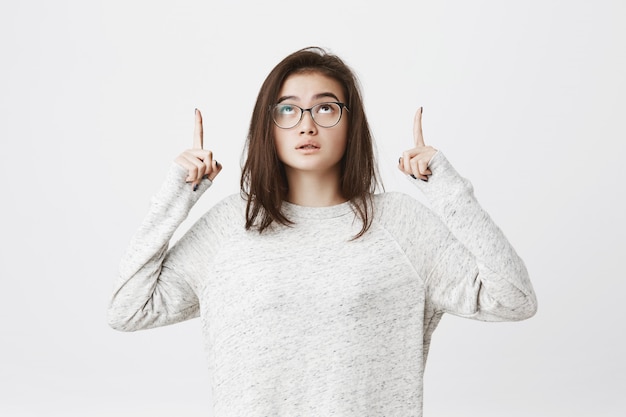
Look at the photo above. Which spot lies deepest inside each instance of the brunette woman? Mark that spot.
(318, 295)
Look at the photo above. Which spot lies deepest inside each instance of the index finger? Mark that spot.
(418, 137)
(197, 131)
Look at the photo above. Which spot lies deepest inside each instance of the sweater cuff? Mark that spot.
(175, 192)
(444, 181)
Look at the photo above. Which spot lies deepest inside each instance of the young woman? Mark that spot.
(317, 296)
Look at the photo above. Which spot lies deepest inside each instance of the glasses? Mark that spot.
(287, 116)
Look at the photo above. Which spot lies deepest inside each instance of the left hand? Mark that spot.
(415, 161)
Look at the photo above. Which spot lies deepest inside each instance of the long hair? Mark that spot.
(263, 179)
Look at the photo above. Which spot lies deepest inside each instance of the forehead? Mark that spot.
(306, 85)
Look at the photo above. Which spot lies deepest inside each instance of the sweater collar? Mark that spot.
(295, 211)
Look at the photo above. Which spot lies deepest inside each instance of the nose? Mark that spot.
(307, 124)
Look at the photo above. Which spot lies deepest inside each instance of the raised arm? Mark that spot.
(148, 294)
(480, 275)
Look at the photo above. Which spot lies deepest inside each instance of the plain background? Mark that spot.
(526, 98)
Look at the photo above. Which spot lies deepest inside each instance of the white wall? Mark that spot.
(526, 98)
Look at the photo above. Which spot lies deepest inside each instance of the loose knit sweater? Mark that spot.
(304, 320)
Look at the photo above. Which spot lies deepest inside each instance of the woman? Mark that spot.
(317, 296)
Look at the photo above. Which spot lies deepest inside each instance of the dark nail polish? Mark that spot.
(421, 110)
(400, 160)
(217, 164)
(195, 187)
(413, 176)
(425, 179)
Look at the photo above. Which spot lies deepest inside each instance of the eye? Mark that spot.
(325, 108)
(285, 109)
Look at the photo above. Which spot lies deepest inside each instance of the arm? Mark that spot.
(479, 275)
(147, 294)
(154, 286)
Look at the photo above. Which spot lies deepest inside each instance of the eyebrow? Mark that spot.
(315, 97)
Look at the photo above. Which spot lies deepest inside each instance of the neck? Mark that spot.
(314, 189)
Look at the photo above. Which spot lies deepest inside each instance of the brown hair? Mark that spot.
(263, 179)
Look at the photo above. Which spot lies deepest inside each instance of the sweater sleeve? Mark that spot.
(147, 293)
(479, 275)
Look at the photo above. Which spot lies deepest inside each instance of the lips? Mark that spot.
(307, 145)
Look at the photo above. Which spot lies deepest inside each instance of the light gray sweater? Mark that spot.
(304, 321)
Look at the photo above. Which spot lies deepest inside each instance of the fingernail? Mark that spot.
(421, 110)
(195, 187)
(400, 160)
(217, 164)
(413, 176)
(425, 179)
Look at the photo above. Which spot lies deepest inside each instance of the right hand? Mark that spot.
(415, 161)
(198, 162)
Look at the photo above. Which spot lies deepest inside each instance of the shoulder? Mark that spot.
(228, 211)
(231, 202)
(395, 202)
(393, 197)
(400, 211)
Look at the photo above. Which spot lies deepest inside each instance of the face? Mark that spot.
(308, 147)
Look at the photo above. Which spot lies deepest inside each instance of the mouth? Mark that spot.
(308, 146)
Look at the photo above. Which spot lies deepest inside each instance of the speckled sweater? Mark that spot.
(302, 320)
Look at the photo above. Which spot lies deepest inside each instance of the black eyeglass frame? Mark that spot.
(341, 107)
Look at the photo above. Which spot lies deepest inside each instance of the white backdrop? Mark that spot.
(526, 98)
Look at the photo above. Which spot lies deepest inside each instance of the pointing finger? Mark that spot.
(418, 137)
(197, 131)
